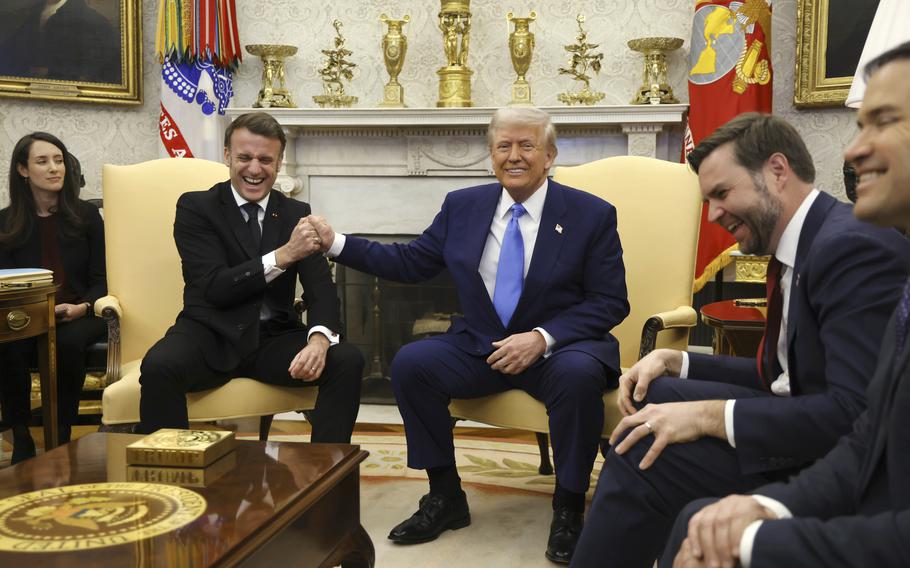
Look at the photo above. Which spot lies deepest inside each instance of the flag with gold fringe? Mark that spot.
(729, 74)
(199, 49)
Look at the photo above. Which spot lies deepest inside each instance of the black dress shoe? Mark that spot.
(564, 532)
(435, 513)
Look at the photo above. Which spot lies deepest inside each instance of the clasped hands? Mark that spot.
(69, 312)
(669, 423)
(715, 532)
(306, 239)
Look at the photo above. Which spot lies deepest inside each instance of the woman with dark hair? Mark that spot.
(46, 225)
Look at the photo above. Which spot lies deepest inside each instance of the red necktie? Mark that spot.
(767, 349)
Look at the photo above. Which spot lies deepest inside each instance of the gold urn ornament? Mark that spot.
(455, 77)
(521, 48)
(582, 61)
(654, 88)
(394, 48)
(336, 68)
(273, 56)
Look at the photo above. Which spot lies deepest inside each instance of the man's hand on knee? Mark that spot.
(633, 384)
(670, 423)
(309, 363)
(715, 532)
(517, 352)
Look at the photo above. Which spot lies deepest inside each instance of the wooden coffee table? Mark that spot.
(283, 504)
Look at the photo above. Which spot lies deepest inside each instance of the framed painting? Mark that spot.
(829, 42)
(71, 50)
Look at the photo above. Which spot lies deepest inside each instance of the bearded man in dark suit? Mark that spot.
(701, 425)
(852, 507)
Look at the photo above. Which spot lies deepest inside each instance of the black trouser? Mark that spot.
(176, 365)
(73, 338)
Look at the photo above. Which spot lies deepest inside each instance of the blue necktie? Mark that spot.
(510, 272)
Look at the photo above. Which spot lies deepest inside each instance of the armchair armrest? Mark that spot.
(107, 302)
(683, 316)
(109, 308)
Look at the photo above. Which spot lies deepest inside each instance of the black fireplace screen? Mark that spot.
(380, 316)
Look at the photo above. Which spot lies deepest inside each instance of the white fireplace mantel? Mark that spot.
(350, 163)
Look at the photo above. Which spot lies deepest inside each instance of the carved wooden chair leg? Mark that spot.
(265, 424)
(543, 443)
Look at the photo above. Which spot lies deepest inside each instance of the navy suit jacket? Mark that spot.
(224, 285)
(852, 508)
(575, 287)
(847, 279)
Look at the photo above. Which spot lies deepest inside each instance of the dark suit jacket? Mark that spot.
(852, 508)
(82, 258)
(575, 287)
(847, 279)
(224, 285)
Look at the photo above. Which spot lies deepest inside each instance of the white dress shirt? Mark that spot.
(270, 267)
(786, 254)
(528, 223)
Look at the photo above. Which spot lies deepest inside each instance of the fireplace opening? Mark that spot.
(380, 316)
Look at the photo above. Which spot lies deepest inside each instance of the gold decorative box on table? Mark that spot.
(181, 448)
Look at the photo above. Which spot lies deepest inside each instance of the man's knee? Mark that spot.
(409, 364)
(664, 389)
(163, 368)
(347, 359)
(579, 376)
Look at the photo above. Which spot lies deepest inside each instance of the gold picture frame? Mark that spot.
(829, 41)
(87, 51)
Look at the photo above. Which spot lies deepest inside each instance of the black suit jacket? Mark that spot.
(82, 258)
(847, 279)
(852, 508)
(224, 284)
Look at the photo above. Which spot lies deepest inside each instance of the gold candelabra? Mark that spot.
(521, 48)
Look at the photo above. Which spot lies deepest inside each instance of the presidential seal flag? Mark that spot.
(198, 46)
(729, 74)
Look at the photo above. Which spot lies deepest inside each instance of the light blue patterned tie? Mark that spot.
(510, 272)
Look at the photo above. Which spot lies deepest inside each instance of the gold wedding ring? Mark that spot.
(648, 426)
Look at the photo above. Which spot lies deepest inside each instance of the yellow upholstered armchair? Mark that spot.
(145, 288)
(658, 206)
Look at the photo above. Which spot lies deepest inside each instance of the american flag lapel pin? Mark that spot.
(558, 228)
